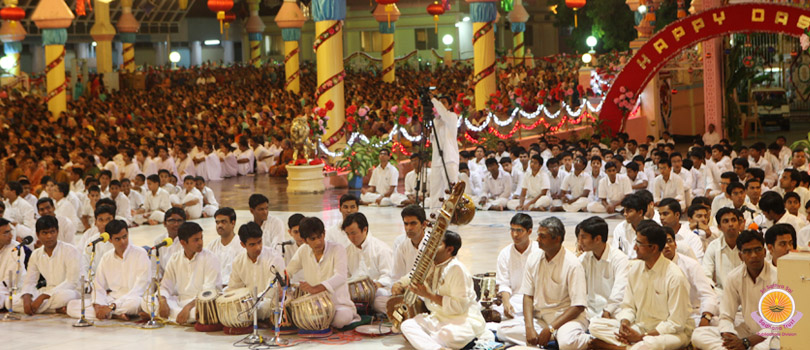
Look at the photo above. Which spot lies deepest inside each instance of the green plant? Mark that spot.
(803, 144)
(361, 156)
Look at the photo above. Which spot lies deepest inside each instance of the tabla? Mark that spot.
(362, 291)
(232, 308)
(313, 315)
(206, 310)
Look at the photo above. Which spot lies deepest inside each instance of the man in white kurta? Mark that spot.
(58, 263)
(722, 255)
(554, 295)
(411, 196)
(226, 246)
(668, 186)
(383, 182)
(654, 313)
(189, 198)
(511, 264)
(171, 222)
(121, 279)
(744, 289)
(576, 187)
(244, 158)
(701, 290)
(455, 317)
(534, 193)
(624, 235)
(255, 267)
(611, 190)
(12, 263)
(18, 210)
(104, 214)
(406, 251)
(325, 270)
(688, 242)
(67, 230)
(367, 256)
(155, 204)
(272, 227)
(188, 273)
(123, 207)
(444, 135)
(210, 203)
(497, 188)
(348, 204)
(135, 197)
(605, 268)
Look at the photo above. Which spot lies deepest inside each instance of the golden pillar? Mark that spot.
(255, 29)
(483, 13)
(53, 17)
(290, 19)
(103, 33)
(387, 15)
(518, 17)
(128, 27)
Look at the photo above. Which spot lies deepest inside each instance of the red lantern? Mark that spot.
(220, 7)
(12, 13)
(229, 17)
(435, 9)
(575, 5)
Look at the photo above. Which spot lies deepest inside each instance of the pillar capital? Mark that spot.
(52, 14)
(290, 15)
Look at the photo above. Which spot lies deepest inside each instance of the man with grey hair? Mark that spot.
(554, 295)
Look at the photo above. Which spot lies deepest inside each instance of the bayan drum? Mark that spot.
(232, 308)
(206, 309)
(362, 291)
(313, 315)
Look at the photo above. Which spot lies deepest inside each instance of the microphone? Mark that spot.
(289, 242)
(167, 242)
(279, 279)
(27, 240)
(104, 237)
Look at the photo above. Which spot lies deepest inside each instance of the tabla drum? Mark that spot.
(362, 291)
(206, 310)
(313, 315)
(485, 287)
(232, 308)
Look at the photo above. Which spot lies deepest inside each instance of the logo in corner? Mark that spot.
(777, 308)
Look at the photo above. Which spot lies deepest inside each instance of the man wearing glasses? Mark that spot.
(745, 284)
(655, 311)
(172, 220)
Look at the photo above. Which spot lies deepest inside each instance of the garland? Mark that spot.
(51, 66)
(481, 32)
(330, 83)
(324, 36)
(335, 137)
(290, 55)
(483, 74)
(371, 58)
(388, 49)
(291, 78)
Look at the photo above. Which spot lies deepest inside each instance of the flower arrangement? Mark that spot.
(626, 101)
(317, 122)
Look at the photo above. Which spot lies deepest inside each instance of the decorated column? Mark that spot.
(329, 16)
(255, 30)
(290, 19)
(387, 14)
(128, 26)
(518, 17)
(483, 13)
(712, 76)
(53, 17)
(12, 33)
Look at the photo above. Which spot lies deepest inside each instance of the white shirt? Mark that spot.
(668, 189)
(410, 182)
(792, 220)
(445, 131)
(135, 200)
(374, 259)
(510, 269)
(245, 168)
(126, 277)
(209, 198)
(576, 185)
(67, 230)
(84, 248)
(331, 271)
(535, 183)
(766, 166)
(188, 196)
(719, 260)
(497, 188)
(60, 270)
(710, 139)
(225, 253)
(185, 278)
(657, 298)
(255, 275)
(20, 212)
(743, 293)
(130, 171)
(123, 207)
(383, 178)
(624, 239)
(113, 168)
(157, 201)
(803, 237)
(555, 183)
(687, 239)
(701, 291)
(554, 285)
(615, 191)
(699, 181)
(404, 258)
(607, 279)
(8, 269)
(273, 232)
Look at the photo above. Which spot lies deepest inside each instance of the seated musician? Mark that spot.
(370, 257)
(253, 268)
(511, 262)
(455, 317)
(325, 270)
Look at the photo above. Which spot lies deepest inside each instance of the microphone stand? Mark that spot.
(152, 323)
(87, 281)
(10, 316)
(256, 341)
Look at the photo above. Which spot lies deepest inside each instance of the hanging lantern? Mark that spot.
(13, 14)
(389, 7)
(575, 5)
(229, 17)
(435, 9)
(81, 6)
(183, 4)
(220, 7)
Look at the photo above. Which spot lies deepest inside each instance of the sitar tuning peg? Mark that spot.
(433, 215)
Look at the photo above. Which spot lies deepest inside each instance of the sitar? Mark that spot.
(402, 307)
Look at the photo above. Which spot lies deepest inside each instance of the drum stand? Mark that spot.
(87, 284)
(152, 323)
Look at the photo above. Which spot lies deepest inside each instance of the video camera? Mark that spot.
(424, 100)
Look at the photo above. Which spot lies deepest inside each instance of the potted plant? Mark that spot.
(360, 157)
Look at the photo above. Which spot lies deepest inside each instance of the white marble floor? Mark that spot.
(482, 239)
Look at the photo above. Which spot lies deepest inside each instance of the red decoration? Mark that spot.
(575, 5)
(329, 105)
(435, 9)
(220, 7)
(12, 13)
(316, 161)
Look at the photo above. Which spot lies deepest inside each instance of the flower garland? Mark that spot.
(330, 83)
(325, 35)
(481, 32)
(290, 55)
(51, 66)
(291, 78)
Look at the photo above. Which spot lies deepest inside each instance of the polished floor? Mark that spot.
(482, 239)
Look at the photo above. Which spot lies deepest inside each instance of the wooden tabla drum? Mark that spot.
(313, 315)
(206, 310)
(232, 308)
(362, 291)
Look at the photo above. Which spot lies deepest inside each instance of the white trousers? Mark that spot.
(543, 202)
(425, 333)
(210, 210)
(576, 206)
(194, 212)
(708, 338)
(500, 201)
(57, 300)
(598, 207)
(344, 316)
(605, 330)
(175, 306)
(571, 336)
(517, 303)
(381, 299)
(438, 182)
(123, 306)
(156, 215)
(371, 197)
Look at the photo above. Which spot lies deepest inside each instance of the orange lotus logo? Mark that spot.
(777, 308)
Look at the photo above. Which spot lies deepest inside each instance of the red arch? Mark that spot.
(683, 33)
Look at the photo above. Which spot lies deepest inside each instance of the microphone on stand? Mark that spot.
(25, 241)
(104, 237)
(167, 242)
(278, 278)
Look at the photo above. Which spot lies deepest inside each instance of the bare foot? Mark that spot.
(152, 222)
(61, 310)
(144, 316)
(122, 317)
(597, 344)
